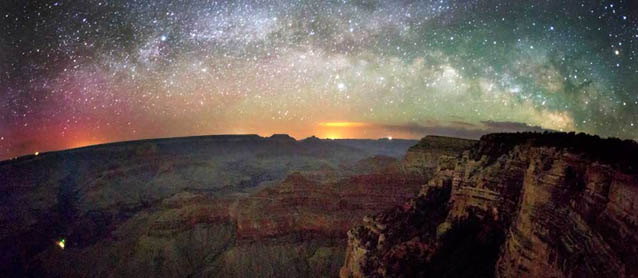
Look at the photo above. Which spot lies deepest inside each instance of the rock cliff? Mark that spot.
(424, 157)
(515, 205)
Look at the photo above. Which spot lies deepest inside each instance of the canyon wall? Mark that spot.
(515, 205)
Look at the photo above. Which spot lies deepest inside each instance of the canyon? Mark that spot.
(231, 206)
(507, 205)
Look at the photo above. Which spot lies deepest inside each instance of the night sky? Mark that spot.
(82, 72)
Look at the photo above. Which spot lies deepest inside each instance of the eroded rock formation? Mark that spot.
(515, 205)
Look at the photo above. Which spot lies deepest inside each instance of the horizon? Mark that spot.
(41, 152)
(324, 130)
(265, 136)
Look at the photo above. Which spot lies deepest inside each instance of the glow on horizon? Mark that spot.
(85, 143)
(332, 136)
(343, 124)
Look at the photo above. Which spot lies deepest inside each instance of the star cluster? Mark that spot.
(75, 73)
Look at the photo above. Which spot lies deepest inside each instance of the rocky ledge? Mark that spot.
(514, 205)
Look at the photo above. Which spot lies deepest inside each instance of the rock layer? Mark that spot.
(517, 205)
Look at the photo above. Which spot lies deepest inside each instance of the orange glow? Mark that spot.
(343, 124)
(332, 136)
(85, 143)
(340, 130)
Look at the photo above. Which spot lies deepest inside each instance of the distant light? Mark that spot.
(37, 153)
(163, 38)
(389, 137)
(617, 52)
(60, 243)
(332, 136)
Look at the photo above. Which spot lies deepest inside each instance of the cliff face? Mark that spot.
(424, 157)
(512, 206)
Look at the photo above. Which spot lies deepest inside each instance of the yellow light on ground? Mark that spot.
(60, 243)
(37, 153)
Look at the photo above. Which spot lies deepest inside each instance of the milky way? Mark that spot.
(74, 73)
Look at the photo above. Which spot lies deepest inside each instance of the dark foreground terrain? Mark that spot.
(509, 205)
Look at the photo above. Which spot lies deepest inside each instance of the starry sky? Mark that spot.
(76, 73)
